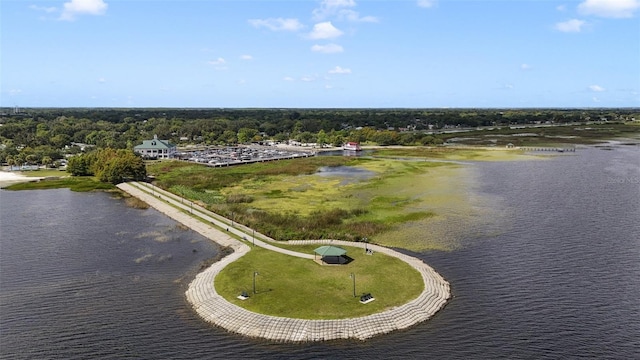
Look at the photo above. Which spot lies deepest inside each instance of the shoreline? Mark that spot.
(213, 308)
(9, 178)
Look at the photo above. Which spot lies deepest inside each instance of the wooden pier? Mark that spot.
(542, 148)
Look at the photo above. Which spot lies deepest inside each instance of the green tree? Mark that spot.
(109, 165)
(46, 161)
(79, 165)
(246, 135)
(123, 166)
(228, 137)
(322, 138)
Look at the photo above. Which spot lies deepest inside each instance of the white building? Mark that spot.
(156, 148)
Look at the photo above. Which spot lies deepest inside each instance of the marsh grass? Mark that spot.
(200, 178)
(136, 203)
(554, 136)
(79, 184)
(301, 288)
(456, 154)
(411, 204)
(45, 173)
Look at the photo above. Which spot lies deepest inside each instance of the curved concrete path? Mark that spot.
(215, 309)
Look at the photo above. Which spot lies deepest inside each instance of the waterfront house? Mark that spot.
(352, 146)
(156, 149)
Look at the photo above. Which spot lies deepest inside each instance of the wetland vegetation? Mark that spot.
(405, 203)
(85, 183)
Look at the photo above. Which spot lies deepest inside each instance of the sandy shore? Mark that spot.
(7, 178)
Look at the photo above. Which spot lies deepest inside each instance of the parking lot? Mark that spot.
(235, 155)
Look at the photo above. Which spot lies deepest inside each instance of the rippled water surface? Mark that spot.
(84, 276)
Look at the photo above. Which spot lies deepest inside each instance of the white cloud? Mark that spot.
(288, 78)
(596, 88)
(102, 80)
(324, 30)
(246, 57)
(573, 25)
(308, 78)
(341, 10)
(277, 24)
(427, 3)
(327, 49)
(595, 99)
(218, 61)
(48, 10)
(331, 7)
(525, 66)
(13, 92)
(340, 70)
(609, 8)
(354, 16)
(561, 7)
(74, 8)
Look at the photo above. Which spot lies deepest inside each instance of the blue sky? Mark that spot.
(327, 54)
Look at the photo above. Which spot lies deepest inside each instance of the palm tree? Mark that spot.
(46, 161)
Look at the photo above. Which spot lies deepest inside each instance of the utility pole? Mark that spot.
(353, 276)
(254, 280)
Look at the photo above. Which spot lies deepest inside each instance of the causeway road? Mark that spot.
(215, 309)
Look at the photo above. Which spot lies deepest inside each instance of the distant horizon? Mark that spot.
(320, 54)
(313, 108)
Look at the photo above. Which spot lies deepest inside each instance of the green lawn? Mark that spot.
(44, 173)
(301, 288)
(83, 183)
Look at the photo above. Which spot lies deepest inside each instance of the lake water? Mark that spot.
(84, 276)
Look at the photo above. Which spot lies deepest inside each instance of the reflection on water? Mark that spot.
(349, 174)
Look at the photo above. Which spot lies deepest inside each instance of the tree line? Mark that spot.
(44, 136)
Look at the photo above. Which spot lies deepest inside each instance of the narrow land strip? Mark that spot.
(215, 309)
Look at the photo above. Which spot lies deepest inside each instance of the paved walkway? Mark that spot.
(215, 309)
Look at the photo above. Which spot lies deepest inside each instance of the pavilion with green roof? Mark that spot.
(330, 254)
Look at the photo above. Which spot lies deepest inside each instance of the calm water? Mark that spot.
(84, 276)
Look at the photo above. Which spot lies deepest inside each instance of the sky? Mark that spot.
(320, 54)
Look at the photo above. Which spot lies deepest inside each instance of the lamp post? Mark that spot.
(353, 276)
(254, 280)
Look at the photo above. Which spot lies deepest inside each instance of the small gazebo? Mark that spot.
(330, 254)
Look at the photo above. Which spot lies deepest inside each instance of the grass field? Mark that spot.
(301, 288)
(44, 173)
